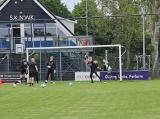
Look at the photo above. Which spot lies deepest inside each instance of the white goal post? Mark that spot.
(74, 47)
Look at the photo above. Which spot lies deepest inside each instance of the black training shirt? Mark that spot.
(32, 66)
(35, 63)
(52, 64)
(24, 64)
(92, 65)
(96, 66)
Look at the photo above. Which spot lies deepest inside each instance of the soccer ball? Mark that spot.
(43, 85)
(70, 84)
(14, 86)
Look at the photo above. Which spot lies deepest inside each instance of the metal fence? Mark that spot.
(101, 30)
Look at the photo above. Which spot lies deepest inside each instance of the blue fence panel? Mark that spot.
(69, 43)
(29, 44)
(4, 44)
(72, 43)
(37, 44)
(49, 43)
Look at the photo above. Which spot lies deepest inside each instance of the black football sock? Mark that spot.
(26, 80)
(30, 84)
(21, 80)
(37, 79)
(91, 80)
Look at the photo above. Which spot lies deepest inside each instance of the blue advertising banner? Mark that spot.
(126, 75)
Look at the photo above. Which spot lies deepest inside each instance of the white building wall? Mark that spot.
(69, 25)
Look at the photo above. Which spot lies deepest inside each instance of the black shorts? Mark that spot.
(31, 74)
(23, 71)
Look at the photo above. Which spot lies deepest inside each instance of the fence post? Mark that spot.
(9, 59)
(27, 41)
(94, 35)
(116, 42)
(45, 34)
(45, 44)
(60, 66)
(31, 34)
(31, 37)
(40, 62)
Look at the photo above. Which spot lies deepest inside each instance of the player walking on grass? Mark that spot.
(36, 73)
(51, 68)
(93, 69)
(24, 65)
(32, 67)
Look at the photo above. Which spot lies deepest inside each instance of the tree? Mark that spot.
(103, 34)
(153, 7)
(57, 7)
(1, 1)
(100, 23)
(129, 27)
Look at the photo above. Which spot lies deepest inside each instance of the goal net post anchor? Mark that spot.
(76, 47)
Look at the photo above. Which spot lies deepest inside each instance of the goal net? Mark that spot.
(70, 60)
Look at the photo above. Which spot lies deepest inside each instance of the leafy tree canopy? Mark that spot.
(57, 7)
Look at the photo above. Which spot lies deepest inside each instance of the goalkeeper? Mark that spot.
(107, 67)
(93, 68)
(24, 65)
(51, 68)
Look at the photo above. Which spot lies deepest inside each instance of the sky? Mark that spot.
(70, 3)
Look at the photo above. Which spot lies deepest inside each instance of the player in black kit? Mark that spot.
(36, 73)
(93, 69)
(24, 65)
(51, 68)
(32, 67)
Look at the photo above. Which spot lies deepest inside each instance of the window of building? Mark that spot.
(15, 24)
(27, 25)
(3, 32)
(4, 29)
(27, 29)
(38, 29)
(5, 25)
(38, 32)
(27, 32)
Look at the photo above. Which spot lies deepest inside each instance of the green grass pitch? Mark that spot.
(110, 100)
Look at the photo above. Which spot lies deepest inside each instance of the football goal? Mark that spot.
(70, 59)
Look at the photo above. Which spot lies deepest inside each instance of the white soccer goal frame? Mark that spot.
(74, 47)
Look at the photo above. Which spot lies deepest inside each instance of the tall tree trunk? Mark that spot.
(154, 40)
(128, 56)
(127, 48)
(155, 53)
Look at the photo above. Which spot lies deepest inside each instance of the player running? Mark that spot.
(36, 73)
(51, 68)
(24, 65)
(93, 69)
(32, 67)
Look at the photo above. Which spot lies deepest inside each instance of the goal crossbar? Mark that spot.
(75, 47)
